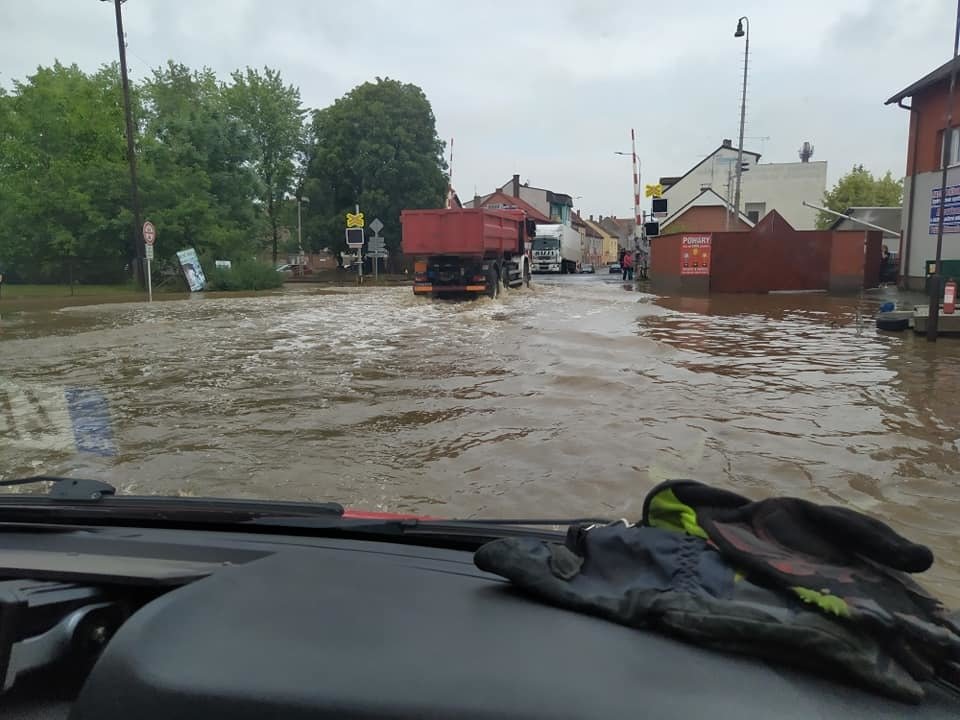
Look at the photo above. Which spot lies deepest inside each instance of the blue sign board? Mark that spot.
(951, 210)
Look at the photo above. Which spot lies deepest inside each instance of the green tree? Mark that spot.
(859, 188)
(196, 181)
(64, 189)
(377, 147)
(271, 117)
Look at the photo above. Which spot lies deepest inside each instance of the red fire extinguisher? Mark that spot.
(950, 297)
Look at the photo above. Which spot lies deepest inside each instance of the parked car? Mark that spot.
(587, 268)
(294, 270)
(615, 269)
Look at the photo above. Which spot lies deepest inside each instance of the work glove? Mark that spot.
(843, 562)
(679, 584)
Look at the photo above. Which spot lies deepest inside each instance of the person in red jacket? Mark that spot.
(627, 266)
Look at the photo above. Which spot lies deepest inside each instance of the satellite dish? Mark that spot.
(806, 152)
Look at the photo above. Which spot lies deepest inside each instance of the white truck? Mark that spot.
(556, 249)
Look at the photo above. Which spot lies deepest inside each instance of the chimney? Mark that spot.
(727, 142)
(476, 201)
(591, 218)
(516, 186)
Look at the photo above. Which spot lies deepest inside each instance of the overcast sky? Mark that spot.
(550, 89)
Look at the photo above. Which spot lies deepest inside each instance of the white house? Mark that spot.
(764, 186)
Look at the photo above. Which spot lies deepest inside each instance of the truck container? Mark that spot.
(556, 249)
(466, 250)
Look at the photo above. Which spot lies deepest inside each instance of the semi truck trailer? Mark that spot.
(556, 249)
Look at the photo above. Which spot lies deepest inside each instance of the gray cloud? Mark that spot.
(550, 89)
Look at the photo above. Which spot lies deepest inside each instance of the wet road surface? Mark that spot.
(570, 399)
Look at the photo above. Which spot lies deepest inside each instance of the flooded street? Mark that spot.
(570, 399)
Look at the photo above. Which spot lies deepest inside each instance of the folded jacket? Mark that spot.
(679, 584)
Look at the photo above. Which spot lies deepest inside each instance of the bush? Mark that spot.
(244, 275)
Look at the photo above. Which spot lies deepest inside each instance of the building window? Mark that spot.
(954, 158)
(755, 211)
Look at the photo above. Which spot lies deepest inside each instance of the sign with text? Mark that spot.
(951, 210)
(695, 254)
(192, 271)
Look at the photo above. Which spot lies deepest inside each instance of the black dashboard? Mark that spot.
(233, 625)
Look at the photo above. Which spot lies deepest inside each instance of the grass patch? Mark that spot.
(244, 275)
(10, 290)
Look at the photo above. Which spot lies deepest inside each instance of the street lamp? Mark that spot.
(300, 201)
(744, 33)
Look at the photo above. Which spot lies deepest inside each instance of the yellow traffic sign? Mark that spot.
(655, 190)
(355, 220)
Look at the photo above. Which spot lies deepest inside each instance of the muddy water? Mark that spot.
(570, 399)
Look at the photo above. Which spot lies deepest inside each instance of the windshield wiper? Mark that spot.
(67, 488)
(85, 501)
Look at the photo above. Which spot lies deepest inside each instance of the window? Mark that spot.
(954, 147)
(755, 210)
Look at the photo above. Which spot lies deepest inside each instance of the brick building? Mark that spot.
(921, 186)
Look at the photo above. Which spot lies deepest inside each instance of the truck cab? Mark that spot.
(556, 249)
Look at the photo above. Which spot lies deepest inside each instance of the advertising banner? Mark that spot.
(192, 270)
(695, 254)
(951, 210)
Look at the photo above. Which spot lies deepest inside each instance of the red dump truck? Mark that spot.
(472, 251)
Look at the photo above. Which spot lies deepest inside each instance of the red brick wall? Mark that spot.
(773, 256)
(928, 120)
(706, 219)
(849, 262)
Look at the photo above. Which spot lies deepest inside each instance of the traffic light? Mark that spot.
(651, 229)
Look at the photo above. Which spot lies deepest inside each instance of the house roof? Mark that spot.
(589, 229)
(931, 78)
(707, 198)
(501, 198)
(552, 197)
(885, 217)
(598, 228)
(676, 180)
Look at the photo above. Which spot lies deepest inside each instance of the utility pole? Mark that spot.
(743, 105)
(131, 156)
(936, 286)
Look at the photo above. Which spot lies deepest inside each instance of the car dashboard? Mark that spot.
(213, 624)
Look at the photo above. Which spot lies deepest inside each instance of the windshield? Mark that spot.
(262, 313)
(546, 243)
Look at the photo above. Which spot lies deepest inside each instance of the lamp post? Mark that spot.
(744, 33)
(300, 201)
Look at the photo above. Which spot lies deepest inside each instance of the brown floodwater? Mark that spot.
(570, 399)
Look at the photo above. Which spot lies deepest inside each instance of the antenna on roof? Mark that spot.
(806, 151)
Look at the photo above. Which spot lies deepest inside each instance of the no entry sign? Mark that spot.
(149, 233)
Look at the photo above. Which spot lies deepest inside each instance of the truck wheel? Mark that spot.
(512, 275)
(493, 282)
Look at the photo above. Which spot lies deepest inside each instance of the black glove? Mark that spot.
(676, 583)
(846, 563)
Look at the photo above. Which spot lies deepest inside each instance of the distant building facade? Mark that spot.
(707, 212)
(557, 207)
(764, 186)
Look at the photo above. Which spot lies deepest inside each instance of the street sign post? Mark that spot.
(376, 247)
(355, 238)
(149, 237)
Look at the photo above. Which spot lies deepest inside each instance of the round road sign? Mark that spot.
(149, 233)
